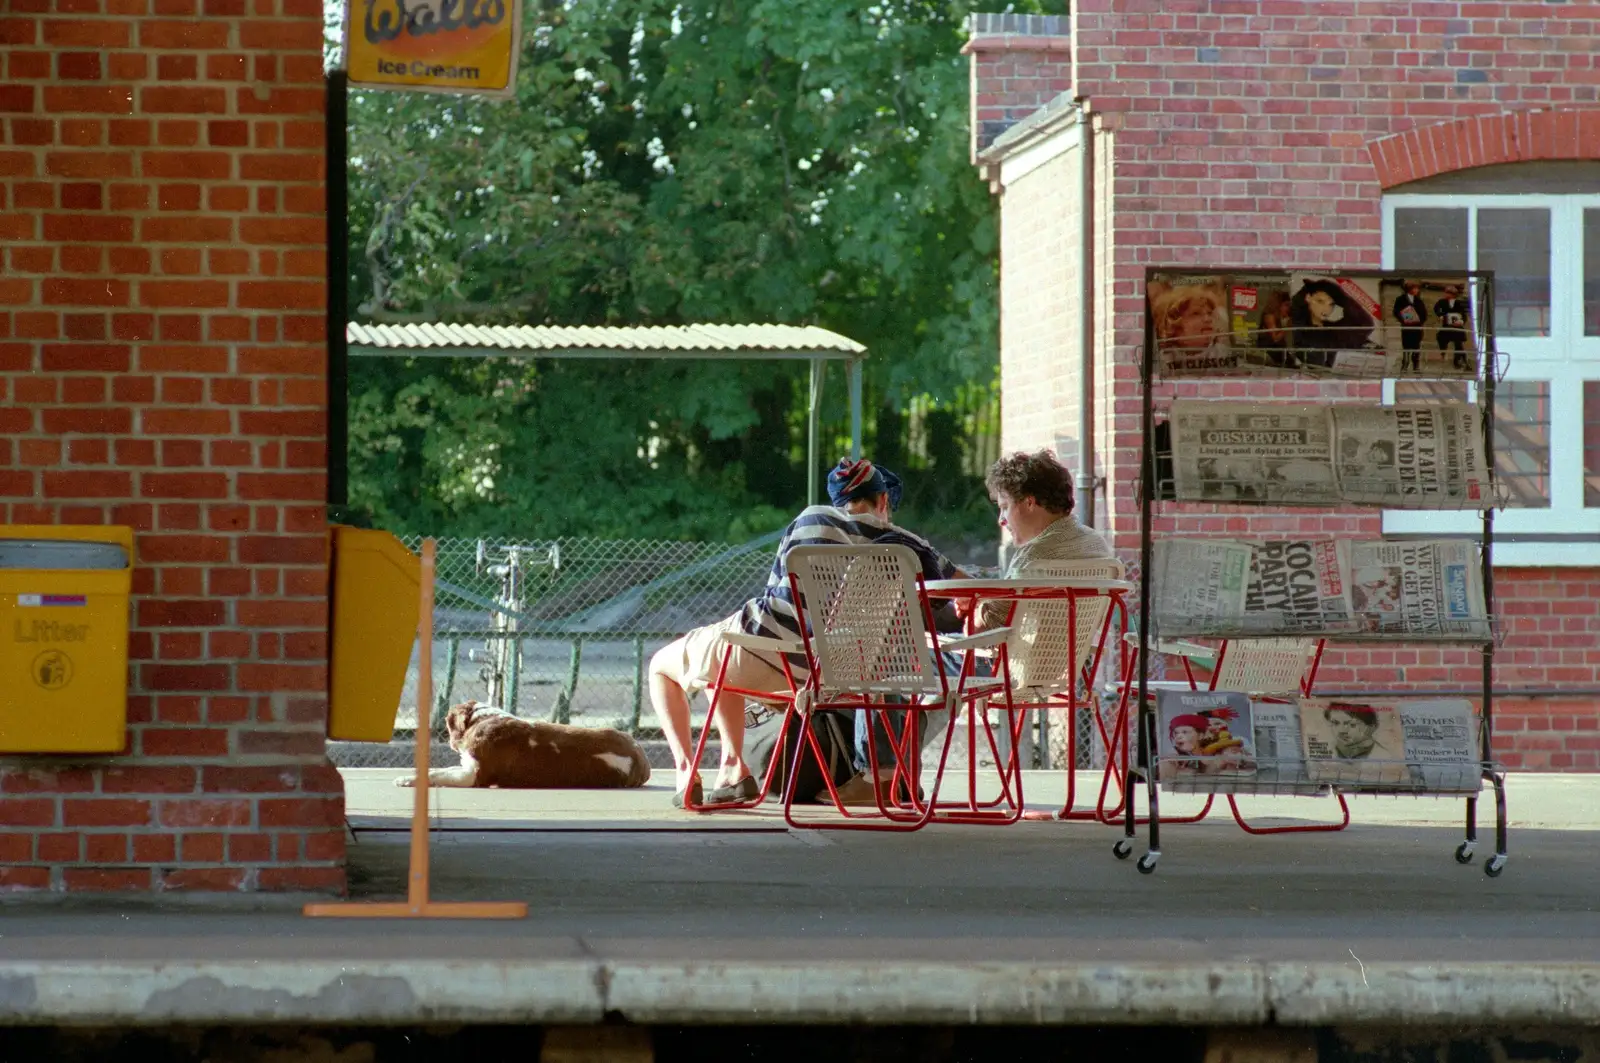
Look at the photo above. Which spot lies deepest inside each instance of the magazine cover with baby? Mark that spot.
(1205, 733)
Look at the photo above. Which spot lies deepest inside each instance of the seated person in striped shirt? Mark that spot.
(862, 497)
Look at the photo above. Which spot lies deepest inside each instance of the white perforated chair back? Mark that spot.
(866, 622)
(1042, 661)
(1264, 666)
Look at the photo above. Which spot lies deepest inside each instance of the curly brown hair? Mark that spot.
(1038, 476)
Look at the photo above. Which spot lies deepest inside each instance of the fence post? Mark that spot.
(638, 683)
(563, 706)
(441, 704)
(513, 672)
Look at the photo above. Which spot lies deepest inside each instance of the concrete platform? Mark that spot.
(643, 912)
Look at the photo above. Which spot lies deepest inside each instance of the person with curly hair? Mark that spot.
(1034, 495)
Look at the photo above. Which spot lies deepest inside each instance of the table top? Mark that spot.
(1024, 587)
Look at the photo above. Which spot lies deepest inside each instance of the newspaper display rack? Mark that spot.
(1292, 451)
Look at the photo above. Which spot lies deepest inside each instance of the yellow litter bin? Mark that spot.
(376, 587)
(64, 637)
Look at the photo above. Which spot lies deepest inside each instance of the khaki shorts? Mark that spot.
(692, 661)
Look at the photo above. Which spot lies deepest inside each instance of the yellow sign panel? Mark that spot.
(461, 46)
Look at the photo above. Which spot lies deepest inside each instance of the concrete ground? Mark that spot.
(645, 912)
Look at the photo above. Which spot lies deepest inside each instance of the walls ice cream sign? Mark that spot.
(460, 46)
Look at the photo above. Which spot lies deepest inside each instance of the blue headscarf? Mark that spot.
(855, 478)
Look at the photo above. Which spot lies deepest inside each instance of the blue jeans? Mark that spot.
(896, 719)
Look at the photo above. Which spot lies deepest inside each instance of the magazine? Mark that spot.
(1259, 308)
(1189, 321)
(1204, 733)
(1428, 326)
(1441, 739)
(1336, 323)
(1353, 742)
(1418, 587)
(1253, 452)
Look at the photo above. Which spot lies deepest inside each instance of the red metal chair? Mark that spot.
(868, 636)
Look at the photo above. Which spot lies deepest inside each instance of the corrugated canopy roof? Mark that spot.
(582, 341)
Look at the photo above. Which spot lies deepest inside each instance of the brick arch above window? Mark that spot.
(1486, 140)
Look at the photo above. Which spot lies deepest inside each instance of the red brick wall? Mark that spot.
(1262, 133)
(1019, 64)
(162, 365)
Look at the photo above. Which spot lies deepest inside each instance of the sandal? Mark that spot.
(746, 789)
(695, 795)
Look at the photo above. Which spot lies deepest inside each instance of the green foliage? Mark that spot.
(801, 161)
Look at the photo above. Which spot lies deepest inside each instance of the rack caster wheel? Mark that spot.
(1464, 852)
(1122, 850)
(1147, 863)
(1494, 865)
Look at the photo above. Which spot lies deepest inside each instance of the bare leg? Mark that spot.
(671, 706)
(728, 713)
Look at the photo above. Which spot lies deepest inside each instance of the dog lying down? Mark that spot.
(498, 749)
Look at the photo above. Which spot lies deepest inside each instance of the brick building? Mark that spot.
(163, 365)
(1279, 134)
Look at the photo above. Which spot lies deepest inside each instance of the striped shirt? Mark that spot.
(772, 613)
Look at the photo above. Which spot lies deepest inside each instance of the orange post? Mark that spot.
(417, 905)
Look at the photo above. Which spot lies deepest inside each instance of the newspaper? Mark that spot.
(1412, 456)
(1441, 740)
(1280, 756)
(1353, 742)
(1200, 584)
(1418, 587)
(1204, 733)
(1224, 587)
(1253, 452)
(1297, 585)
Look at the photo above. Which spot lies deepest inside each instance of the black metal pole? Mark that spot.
(1148, 488)
(337, 153)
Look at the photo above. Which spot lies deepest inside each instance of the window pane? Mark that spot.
(1516, 245)
(1522, 441)
(1431, 391)
(1591, 274)
(1591, 442)
(1430, 238)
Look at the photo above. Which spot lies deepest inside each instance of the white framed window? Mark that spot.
(1544, 247)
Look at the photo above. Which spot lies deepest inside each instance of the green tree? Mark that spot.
(743, 160)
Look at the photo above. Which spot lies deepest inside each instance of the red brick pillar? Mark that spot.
(162, 365)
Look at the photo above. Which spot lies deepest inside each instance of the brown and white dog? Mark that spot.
(498, 749)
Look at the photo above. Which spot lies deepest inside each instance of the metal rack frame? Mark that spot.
(1146, 764)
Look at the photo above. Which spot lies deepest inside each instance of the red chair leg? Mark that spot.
(1308, 828)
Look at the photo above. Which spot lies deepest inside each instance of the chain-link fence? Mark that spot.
(563, 630)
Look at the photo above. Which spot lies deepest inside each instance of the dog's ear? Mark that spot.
(459, 718)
